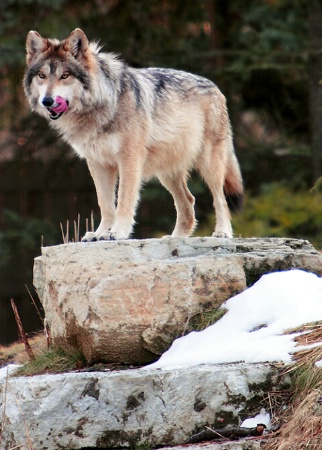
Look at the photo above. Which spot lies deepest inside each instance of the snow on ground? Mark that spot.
(262, 417)
(253, 328)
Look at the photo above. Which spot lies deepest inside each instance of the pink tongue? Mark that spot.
(61, 105)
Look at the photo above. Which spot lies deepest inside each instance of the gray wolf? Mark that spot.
(133, 124)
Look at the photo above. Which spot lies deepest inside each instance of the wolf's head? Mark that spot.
(57, 73)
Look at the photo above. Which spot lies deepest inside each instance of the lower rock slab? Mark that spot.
(240, 445)
(131, 407)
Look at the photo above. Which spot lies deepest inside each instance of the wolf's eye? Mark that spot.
(41, 75)
(65, 75)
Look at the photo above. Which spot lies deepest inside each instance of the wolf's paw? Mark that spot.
(221, 234)
(90, 236)
(107, 236)
(111, 236)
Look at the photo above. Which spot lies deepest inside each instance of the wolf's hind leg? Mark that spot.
(184, 202)
(212, 167)
(104, 179)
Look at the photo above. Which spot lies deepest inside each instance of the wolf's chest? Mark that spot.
(103, 149)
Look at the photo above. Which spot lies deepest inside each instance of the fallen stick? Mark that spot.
(48, 335)
(34, 303)
(22, 333)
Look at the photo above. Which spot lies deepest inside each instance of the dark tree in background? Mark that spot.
(265, 55)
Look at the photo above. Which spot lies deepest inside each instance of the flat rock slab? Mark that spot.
(131, 407)
(126, 301)
(240, 445)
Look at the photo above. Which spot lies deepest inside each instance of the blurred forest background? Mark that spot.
(265, 55)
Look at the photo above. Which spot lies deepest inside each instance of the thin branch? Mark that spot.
(29, 443)
(34, 303)
(92, 221)
(216, 432)
(67, 231)
(62, 232)
(48, 335)
(78, 227)
(22, 331)
(65, 236)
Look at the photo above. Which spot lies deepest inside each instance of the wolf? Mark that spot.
(132, 124)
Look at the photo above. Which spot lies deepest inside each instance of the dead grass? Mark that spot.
(204, 319)
(302, 428)
(306, 375)
(53, 360)
(76, 228)
(302, 421)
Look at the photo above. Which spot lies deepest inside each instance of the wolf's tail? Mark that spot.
(233, 187)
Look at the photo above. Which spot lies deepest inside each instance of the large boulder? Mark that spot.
(126, 301)
(139, 408)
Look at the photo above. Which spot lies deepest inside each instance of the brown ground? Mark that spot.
(16, 353)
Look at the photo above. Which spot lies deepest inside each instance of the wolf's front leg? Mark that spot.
(130, 178)
(104, 177)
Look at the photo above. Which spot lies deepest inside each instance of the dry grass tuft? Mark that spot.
(53, 360)
(77, 238)
(302, 427)
(204, 319)
(47, 360)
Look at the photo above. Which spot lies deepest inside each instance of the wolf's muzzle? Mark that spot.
(56, 108)
(48, 101)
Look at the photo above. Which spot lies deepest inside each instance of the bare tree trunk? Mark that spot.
(315, 84)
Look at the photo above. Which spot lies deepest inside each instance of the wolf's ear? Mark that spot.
(35, 44)
(77, 43)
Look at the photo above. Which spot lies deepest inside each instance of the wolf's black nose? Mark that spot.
(48, 101)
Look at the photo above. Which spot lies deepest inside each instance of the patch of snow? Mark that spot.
(253, 329)
(262, 417)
